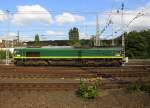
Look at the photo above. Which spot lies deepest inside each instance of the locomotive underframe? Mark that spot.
(70, 62)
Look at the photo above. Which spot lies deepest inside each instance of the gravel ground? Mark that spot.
(68, 99)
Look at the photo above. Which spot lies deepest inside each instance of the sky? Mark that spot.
(52, 19)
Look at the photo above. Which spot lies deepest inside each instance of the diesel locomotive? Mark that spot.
(111, 56)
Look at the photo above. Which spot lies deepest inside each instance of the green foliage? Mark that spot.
(73, 36)
(138, 87)
(145, 88)
(3, 54)
(91, 92)
(77, 45)
(82, 89)
(86, 43)
(137, 44)
(134, 88)
(37, 40)
(88, 91)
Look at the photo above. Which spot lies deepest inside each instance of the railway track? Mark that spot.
(46, 75)
(38, 86)
(76, 70)
(66, 72)
(76, 75)
(61, 86)
(13, 72)
(53, 86)
(54, 69)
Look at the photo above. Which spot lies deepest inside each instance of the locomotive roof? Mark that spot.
(69, 48)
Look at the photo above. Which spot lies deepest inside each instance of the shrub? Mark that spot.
(82, 89)
(135, 87)
(145, 88)
(88, 91)
(91, 92)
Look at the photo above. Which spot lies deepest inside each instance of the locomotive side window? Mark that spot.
(32, 54)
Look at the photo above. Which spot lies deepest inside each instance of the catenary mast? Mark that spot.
(97, 37)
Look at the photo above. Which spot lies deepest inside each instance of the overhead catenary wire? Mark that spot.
(75, 12)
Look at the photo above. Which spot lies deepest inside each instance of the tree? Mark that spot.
(146, 36)
(135, 45)
(3, 54)
(73, 35)
(37, 40)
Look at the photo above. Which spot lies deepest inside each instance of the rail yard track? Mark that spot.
(71, 72)
(59, 86)
(23, 78)
(50, 86)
